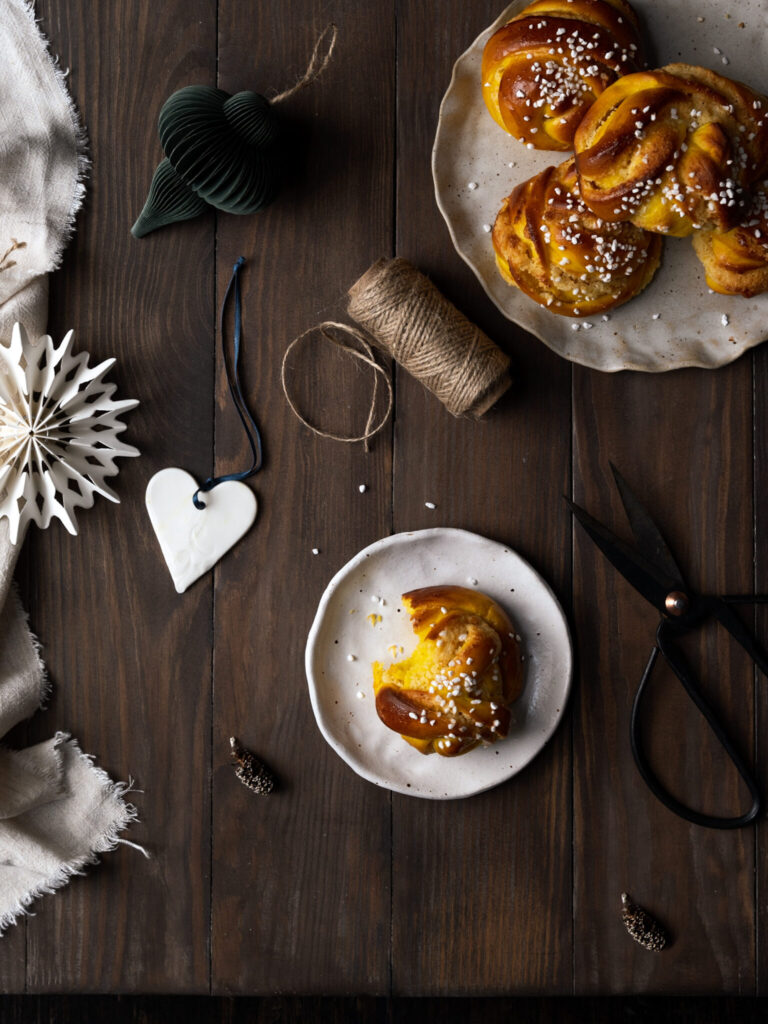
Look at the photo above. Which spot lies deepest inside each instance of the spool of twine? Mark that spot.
(412, 320)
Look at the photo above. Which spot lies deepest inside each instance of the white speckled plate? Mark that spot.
(342, 690)
(471, 147)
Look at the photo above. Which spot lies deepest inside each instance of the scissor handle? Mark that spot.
(674, 657)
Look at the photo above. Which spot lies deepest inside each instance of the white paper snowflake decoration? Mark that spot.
(58, 432)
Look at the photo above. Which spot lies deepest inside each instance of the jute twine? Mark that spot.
(406, 315)
(329, 330)
(316, 66)
(425, 333)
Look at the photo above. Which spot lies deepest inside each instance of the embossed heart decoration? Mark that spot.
(193, 540)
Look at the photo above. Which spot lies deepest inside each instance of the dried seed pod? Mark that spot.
(643, 928)
(252, 772)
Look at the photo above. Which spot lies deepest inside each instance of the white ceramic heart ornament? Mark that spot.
(193, 540)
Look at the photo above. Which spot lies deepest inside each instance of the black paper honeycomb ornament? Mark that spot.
(221, 150)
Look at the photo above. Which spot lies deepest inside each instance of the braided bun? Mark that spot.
(562, 256)
(543, 70)
(672, 150)
(456, 689)
(736, 261)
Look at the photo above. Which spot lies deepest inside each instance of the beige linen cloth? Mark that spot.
(57, 810)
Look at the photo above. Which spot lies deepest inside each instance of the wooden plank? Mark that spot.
(129, 658)
(370, 1010)
(482, 887)
(683, 442)
(761, 620)
(13, 966)
(300, 879)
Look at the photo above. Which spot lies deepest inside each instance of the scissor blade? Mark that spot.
(647, 534)
(728, 618)
(645, 578)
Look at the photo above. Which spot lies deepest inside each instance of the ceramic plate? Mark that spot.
(694, 327)
(346, 627)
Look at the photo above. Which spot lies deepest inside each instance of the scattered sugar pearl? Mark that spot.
(724, 320)
(430, 505)
(486, 228)
(699, 19)
(315, 551)
(351, 657)
(725, 60)
(605, 318)
(512, 163)
(472, 580)
(375, 598)
(655, 316)
(363, 488)
(587, 325)
(472, 186)
(575, 327)
(360, 695)
(717, 50)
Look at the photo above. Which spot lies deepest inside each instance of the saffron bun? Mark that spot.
(456, 689)
(673, 150)
(560, 254)
(542, 71)
(736, 261)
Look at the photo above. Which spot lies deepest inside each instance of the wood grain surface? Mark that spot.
(378, 1010)
(332, 886)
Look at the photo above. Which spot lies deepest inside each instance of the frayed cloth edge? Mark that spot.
(105, 843)
(81, 139)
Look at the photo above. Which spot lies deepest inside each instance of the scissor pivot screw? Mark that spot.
(677, 603)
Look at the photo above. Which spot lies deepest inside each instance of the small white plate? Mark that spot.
(341, 690)
(691, 329)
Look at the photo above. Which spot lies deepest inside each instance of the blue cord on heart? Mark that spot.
(233, 380)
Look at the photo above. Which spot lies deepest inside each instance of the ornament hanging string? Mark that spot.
(233, 380)
(316, 66)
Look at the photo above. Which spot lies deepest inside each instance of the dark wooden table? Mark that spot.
(335, 886)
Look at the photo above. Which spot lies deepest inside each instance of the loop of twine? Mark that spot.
(316, 66)
(366, 356)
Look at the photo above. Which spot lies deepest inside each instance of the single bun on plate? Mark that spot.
(455, 691)
(673, 150)
(542, 71)
(550, 246)
(736, 261)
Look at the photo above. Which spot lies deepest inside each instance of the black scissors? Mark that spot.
(651, 569)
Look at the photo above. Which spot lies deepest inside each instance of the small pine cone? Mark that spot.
(641, 926)
(252, 772)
